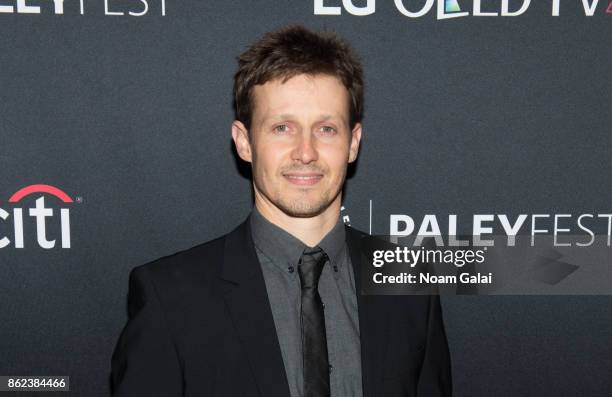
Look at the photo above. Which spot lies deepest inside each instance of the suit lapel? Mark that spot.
(247, 300)
(372, 319)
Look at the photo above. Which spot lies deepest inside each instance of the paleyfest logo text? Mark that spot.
(560, 226)
(136, 8)
(40, 212)
(446, 9)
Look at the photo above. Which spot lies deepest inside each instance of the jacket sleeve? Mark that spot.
(145, 361)
(435, 377)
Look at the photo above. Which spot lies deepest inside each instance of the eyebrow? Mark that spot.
(284, 116)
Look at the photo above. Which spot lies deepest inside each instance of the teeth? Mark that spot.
(303, 177)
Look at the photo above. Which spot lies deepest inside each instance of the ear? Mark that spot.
(241, 139)
(354, 145)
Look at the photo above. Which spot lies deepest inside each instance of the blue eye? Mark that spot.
(328, 130)
(281, 128)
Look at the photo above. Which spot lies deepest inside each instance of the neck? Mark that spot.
(308, 230)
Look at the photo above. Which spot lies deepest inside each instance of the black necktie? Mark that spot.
(314, 341)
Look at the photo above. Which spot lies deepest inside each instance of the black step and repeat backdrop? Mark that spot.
(115, 149)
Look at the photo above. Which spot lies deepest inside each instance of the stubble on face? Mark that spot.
(306, 203)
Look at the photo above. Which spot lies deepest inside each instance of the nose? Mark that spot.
(305, 150)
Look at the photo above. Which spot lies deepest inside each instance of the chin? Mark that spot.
(303, 210)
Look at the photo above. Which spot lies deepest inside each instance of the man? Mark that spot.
(274, 307)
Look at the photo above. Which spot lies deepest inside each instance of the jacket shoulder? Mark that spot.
(354, 231)
(190, 266)
(353, 235)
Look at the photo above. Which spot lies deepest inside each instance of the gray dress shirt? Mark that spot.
(279, 252)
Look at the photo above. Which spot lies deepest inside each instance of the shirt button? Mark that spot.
(331, 368)
(323, 303)
(336, 268)
(291, 269)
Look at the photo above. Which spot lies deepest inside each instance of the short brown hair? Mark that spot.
(295, 50)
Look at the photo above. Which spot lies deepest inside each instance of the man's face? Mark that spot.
(299, 143)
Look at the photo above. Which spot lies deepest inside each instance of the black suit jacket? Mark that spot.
(200, 324)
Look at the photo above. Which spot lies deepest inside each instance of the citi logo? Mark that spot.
(40, 213)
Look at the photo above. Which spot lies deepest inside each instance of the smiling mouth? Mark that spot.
(306, 179)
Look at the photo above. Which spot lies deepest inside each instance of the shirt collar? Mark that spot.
(285, 249)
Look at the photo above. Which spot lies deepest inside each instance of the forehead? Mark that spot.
(305, 95)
